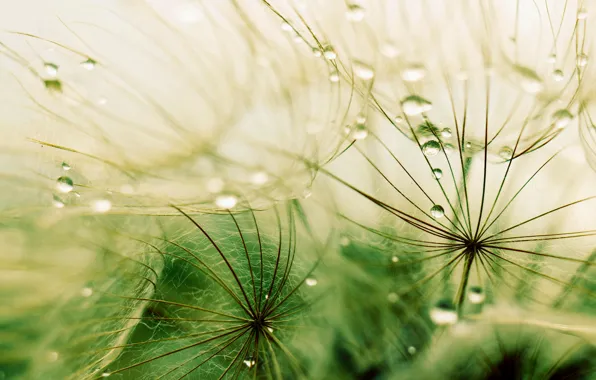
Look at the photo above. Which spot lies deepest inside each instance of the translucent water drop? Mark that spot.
(355, 13)
(437, 211)
(476, 295)
(448, 148)
(311, 281)
(529, 80)
(249, 361)
(394, 259)
(443, 313)
(269, 329)
(259, 178)
(506, 153)
(53, 85)
(88, 64)
(562, 118)
(582, 60)
(286, 27)
(106, 374)
(316, 52)
(412, 350)
(226, 201)
(359, 131)
(558, 75)
(468, 145)
(51, 69)
(413, 73)
(392, 297)
(57, 202)
(582, 14)
(415, 105)
(431, 148)
(446, 133)
(64, 184)
(329, 53)
(552, 58)
(361, 118)
(101, 205)
(363, 71)
(398, 120)
(437, 173)
(86, 292)
(334, 77)
(66, 167)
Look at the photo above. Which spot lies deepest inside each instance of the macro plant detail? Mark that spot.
(296, 189)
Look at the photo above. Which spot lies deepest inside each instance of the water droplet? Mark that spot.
(64, 184)
(359, 131)
(582, 60)
(392, 297)
(53, 85)
(582, 14)
(344, 241)
(398, 120)
(468, 145)
(106, 374)
(506, 153)
(413, 73)
(316, 52)
(389, 50)
(307, 193)
(476, 295)
(394, 259)
(88, 64)
(101, 205)
(431, 148)
(51, 69)
(226, 201)
(412, 350)
(66, 167)
(415, 105)
(552, 58)
(334, 77)
(363, 71)
(448, 148)
(437, 211)
(529, 80)
(57, 202)
(269, 329)
(250, 361)
(259, 178)
(52, 356)
(86, 292)
(443, 313)
(311, 281)
(446, 133)
(329, 53)
(558, 75)
(437, 173)
(286, 27)
(562, 118)
(355, 13)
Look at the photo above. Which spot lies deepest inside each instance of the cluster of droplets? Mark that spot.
(65, 185)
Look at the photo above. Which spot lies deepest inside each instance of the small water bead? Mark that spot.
(311, 281)
(106, 374)
(66, 167)
(363, 71)
(359, 131)
(57, 202)
(259, 178)
(562, 118)
(582, 60)
(476, 295)
(582, 14)
(506, 153)
(552, 58)
(437, 211)
(437, 173)
(329, 53)
(398, 120)
(250, 362)
(529, 80)
(355, 13)
(443, 313)
(51, 69)
(286, 27)
(226, 201)
(413, 73)
(52, 356)
(415, 105)
(101, 205)
(394, 259)
(412, 350)
(334, 77)
(558, 75)
(89, 64)
(86, 292)
(53, 85)
(64, 184)
(446, 133)
(431, 148)
(392, 297)
(448, 148)
(317, 52)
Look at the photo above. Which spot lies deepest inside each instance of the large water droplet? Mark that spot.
(363, 71)
(334, 77)
(317, 52)
(431, 148)
(558, 75)
(359, 131)
(413, 73)
(57, 202)
(88, 64)
(226, 201)
(86, 292)
(64, 184)
(51, 69)
(448, 148)
(66, 167)
(476, 294)
(415, 105)
(446, 133)
(443, 313)
(355, 13)
(506, 153)
(529, 80)
(437, 173)
(562, 118)
(437, 211)
(101, 205)
(311, 281)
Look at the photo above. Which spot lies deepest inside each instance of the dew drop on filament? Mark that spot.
(359, 131)
(64, 184)
(226, 201)
(311, 281)
(249, 361)
(446, 133)
(476, 295)
(562, 118)
(558, 75)
(88, 64)
(443, 313)
(65, 166)
(437, 173)
(57, 202)
(431, 148)
(437, 211)
(355, 13)
(363, 71)
(415, 105)
(329, 53)
(413, 73)
(506, 153)
(51, 69)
